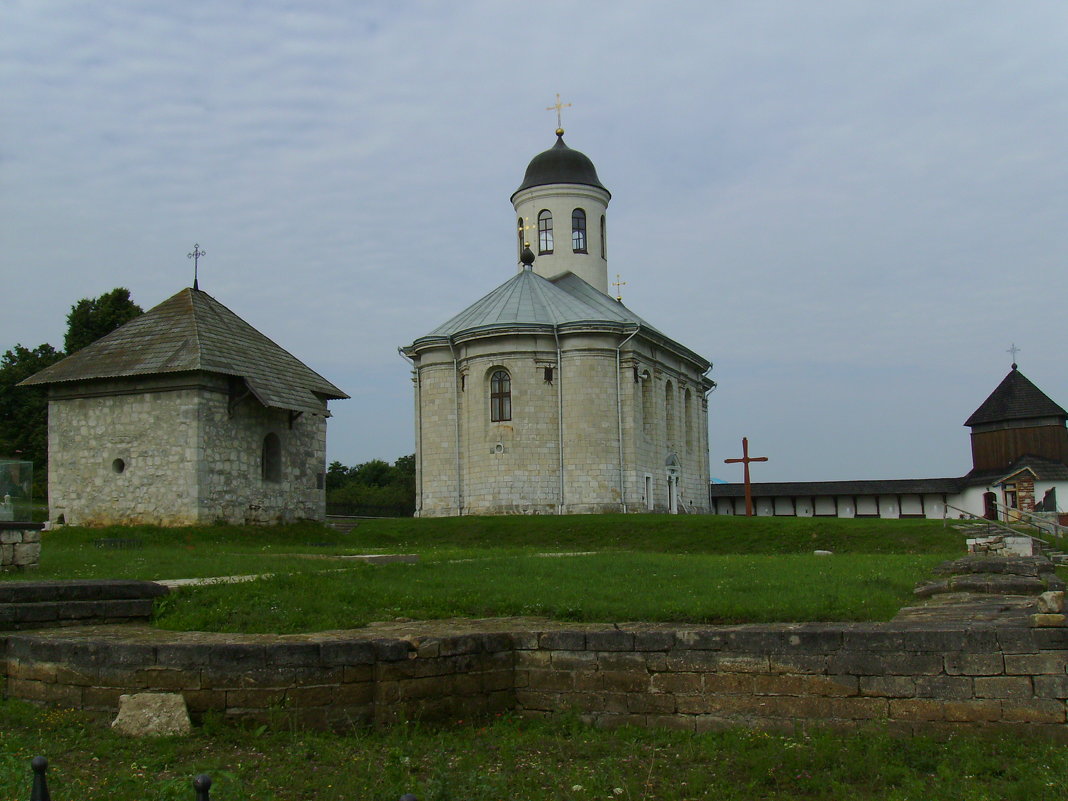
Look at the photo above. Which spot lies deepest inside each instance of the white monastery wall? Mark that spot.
(436, 456)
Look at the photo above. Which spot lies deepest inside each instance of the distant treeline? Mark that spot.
(375, 488)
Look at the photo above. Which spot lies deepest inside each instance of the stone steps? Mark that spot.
(45, 604)
(342, 523)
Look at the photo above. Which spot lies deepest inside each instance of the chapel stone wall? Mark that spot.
(124, 458)
(229, 462)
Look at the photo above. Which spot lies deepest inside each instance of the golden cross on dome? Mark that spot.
(617, 284)
(557, 107)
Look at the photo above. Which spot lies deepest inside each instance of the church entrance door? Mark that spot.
(990, 506)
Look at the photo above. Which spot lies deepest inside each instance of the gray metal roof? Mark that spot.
(528, 302)
(1015, 398)
(529, 299)
(192, 331)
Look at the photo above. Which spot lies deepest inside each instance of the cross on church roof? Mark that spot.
(557, 107)
(195, 256)
(617, 284)
(1013, 350)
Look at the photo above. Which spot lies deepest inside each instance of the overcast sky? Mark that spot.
(852, 209)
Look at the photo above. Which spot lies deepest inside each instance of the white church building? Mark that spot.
(549, 396)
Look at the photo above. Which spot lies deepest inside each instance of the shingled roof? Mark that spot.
(192, 331)
(1015, 398)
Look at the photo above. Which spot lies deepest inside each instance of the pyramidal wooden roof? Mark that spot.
(192, 331)
(1015, 398)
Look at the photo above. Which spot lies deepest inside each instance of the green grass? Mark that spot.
(702, 569)
(513, 758)
(603, 587)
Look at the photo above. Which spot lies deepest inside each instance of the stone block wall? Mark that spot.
(776, 676)
(324, 683)
(166, 450)
(20, 548)
(123, 458)
(911, 677)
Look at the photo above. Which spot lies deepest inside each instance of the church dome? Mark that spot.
(560, 165)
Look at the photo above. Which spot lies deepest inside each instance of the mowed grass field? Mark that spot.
(609, 568)
(615, 568)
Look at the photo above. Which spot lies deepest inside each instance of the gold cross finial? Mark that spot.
(557, 107)
(617, 284)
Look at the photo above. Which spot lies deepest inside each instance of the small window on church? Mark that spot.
(520, 234)
(271, 461)
(500, 397)
(604, 248)
(545, 232)
(578, 231)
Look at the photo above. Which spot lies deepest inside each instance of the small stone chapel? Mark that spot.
(548, 395)
(185, 415)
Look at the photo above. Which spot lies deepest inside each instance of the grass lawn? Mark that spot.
(516, 759)
(702, 569)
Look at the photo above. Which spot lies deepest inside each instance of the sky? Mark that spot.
(852, 209)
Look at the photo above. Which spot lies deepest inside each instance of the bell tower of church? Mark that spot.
(560, 212)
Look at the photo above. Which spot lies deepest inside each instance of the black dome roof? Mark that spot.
(560, 165)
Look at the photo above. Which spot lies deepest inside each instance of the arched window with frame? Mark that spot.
(578, 231)
(545, 232)
(500, 396)
(271, 458)
(604, 246)
(520, 235)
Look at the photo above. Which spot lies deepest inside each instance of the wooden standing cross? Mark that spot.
(745, 460)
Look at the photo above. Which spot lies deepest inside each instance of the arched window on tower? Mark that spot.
(500, 396)
(545, 232)
(604, 248)
(271, 458)
(520, 234)
(578, 231)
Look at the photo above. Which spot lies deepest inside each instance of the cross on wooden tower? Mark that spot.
(557, 107)
(195, 256)
(617, 284)
(1013, 350)
(745, 460)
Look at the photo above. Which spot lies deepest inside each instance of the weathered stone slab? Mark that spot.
(152, 715)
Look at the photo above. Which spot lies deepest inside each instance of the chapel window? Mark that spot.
(500, 396)
(604, 248)
(545, 232)
(271, 460)
(578, 231)
(520, 234)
